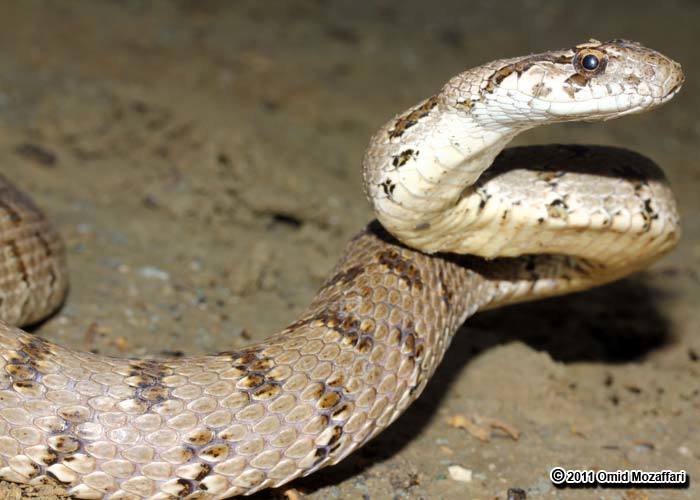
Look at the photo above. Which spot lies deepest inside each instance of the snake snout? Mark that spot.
(674, 80)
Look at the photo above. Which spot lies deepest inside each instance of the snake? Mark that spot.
(462, 225)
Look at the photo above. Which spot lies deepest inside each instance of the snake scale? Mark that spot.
(462, 226)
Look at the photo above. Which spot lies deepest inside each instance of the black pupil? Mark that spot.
(590, 62)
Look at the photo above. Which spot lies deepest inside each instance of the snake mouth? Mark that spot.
(675, 89)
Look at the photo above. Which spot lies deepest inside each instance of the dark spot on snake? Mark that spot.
(412, 117)
(485, 197)
(349, 338)
(577, 80)
(341, 413)
(140, 380)
(328, 400)
(337, 432)
(502, 73)
(336, 380)
(64, 444)
(365, 345)
(388, 187)
(408, 346)
(251, 381)
(215, 451)
(49, 458)
(420, 349)
(422, 226)
(204, 472)
(468, 104)
(20, 372)
(575, 83)
(25, 384)
(199, 438)
(402, 158)
(156, 394)
(267, 391)
(72, 415)
(320, 455)
(344, 277)
(261, 365)
(14, 249)
(649, 209)
(557, 209)
(186, 487)
(406, 270)
(244, 357)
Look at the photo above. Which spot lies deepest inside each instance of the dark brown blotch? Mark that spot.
(402, 158)
(186, 487)
(267, 391)
(20, 371)
(63, 444)
(406, 270)
(48, 458)
(342, 412)
(200, 438)
(215, 451)
(344, 277)
(388, 186)
(204, 470)
(409, 119)
(251, 381)
(365, 345)
(328, 400)
(336, 380)
(261, 365)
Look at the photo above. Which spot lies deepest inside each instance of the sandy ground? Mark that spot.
(202, 162)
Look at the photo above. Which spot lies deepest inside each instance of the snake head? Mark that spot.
(591, 81)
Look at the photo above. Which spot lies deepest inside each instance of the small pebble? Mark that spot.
(154, 273)
(685, 451)
(459, 473)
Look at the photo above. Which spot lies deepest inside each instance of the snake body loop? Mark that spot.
(540, 221)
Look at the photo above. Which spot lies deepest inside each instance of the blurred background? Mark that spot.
(201, 158)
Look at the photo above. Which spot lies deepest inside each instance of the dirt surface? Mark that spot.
(202, 161)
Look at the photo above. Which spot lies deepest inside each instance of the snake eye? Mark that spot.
(590, 61)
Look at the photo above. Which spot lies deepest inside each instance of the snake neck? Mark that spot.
(422, 168)
(423, 176)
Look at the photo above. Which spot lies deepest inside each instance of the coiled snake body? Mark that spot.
(540, 221)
